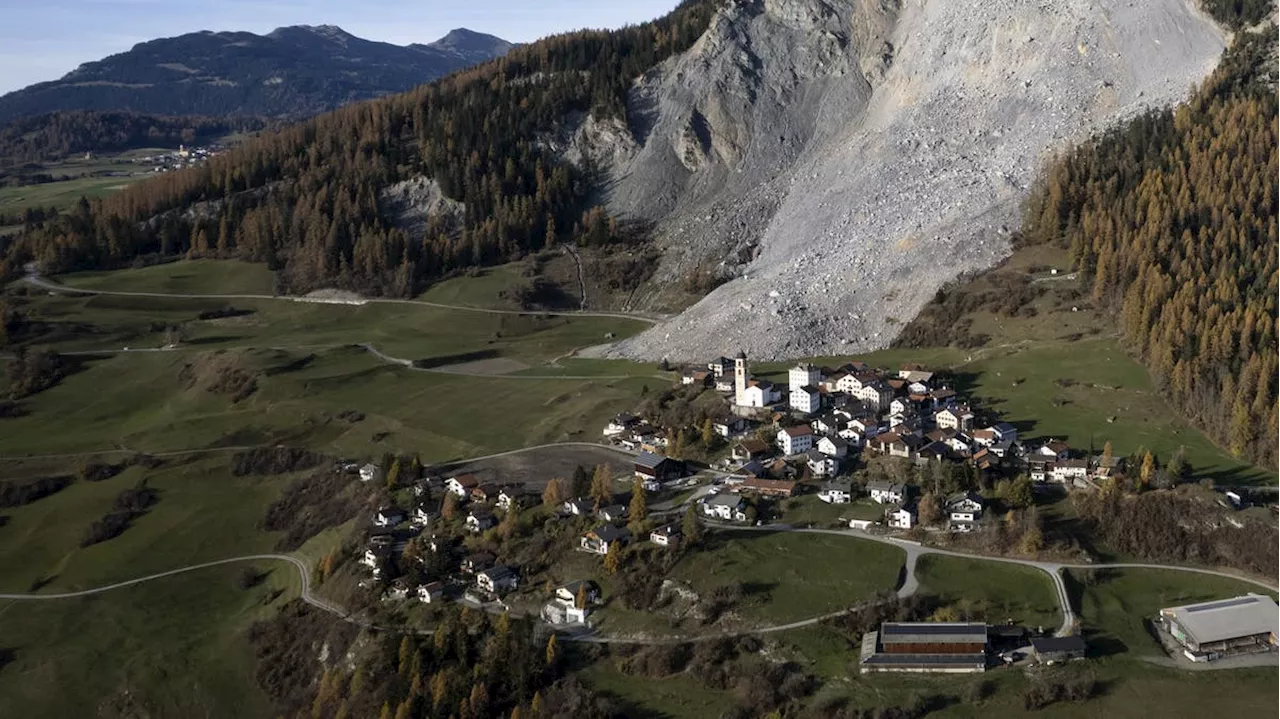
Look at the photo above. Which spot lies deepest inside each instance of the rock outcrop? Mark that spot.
(843, 160)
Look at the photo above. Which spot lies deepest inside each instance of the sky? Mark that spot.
(45, 39)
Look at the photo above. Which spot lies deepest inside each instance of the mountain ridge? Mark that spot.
(291, 72)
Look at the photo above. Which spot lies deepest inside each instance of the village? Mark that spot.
(453, 538)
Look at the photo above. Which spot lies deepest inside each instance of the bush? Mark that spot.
(19, 493)
(274, 460)
(248, 578)
(308, 506)
(128, 505)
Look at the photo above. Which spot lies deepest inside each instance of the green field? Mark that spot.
(789, 576)
(990, 591)
(1115, 602)
(225, 277)
(61, 194)
(172, 647)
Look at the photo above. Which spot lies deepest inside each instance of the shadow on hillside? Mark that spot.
(443, 360)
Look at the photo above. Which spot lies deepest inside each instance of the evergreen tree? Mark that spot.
(581, 485)
(691, 527)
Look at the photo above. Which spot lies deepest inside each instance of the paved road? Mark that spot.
(910, 586)
(41, 282)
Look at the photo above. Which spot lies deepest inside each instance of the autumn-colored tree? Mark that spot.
(580, 600)
(537, 706)
(552, 657)
(613, 558)
(602, 486)
(439, 688)
(638, 510)
(393, 475)
(510, 524)
(930, 509)
(1107, 455)
(1032, 540)
(479, 700)
(449, 508)
(1148, 471)
(405, 656)
(386, 711)
(708, 432)
(405, 710)
(554, 494)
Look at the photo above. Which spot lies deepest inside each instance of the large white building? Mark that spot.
(803, 375)
(806, 399)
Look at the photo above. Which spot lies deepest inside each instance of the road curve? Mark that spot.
(39, 281)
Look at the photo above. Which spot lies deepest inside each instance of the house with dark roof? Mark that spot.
(658, 468)
(600, 539)
(1052, 650)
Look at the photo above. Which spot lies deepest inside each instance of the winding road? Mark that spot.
(41, 282)
(913, 550)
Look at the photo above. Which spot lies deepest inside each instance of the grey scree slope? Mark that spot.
(843, 160)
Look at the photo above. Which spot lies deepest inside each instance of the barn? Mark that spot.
(946, 647)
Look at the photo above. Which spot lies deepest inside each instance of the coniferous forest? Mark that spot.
(304, 199)
(1171, 219)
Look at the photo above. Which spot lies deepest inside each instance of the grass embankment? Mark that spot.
(1114, 604)
(222, 277)
(173, 647)
(780, 577)
(61, 194)
(990, 591)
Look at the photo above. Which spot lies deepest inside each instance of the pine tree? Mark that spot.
(581, 485)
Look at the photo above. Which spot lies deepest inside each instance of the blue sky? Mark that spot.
(45, 39)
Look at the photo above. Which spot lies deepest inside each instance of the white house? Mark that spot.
(964, 509)
(430, 592)
(1053, 449)
(876, 394)
(396, 592)
(730, 427)
(902, 517)
(833, 447)
(509, 496)
(821, 465)
(421, 517)
(803, 375)
(668, 535)
(729, 507)
(479, 520)
(600, 539)
(1070, 470)
(918, 388)
(578, 507)
(795, 440)
(836, 493)
(388, 517)
(886, 492)
(623, 422)
(462, 485)
(497, 579)
(865, 427)
(957, 418)
(806, 399)
(370, 472)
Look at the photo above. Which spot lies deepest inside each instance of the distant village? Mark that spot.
(181, 158)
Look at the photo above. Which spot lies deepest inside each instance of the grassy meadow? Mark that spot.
(990, 591)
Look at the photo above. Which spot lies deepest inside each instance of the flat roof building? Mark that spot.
(1229, 626)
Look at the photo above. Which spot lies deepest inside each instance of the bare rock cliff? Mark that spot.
(843, 160)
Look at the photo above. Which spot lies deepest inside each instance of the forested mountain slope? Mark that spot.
(305, 199)
(290, 72)
(59, 134)
(1171, 219)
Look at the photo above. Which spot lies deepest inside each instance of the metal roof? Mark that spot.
(1227, 619)
(933, 632)
(650, 460)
